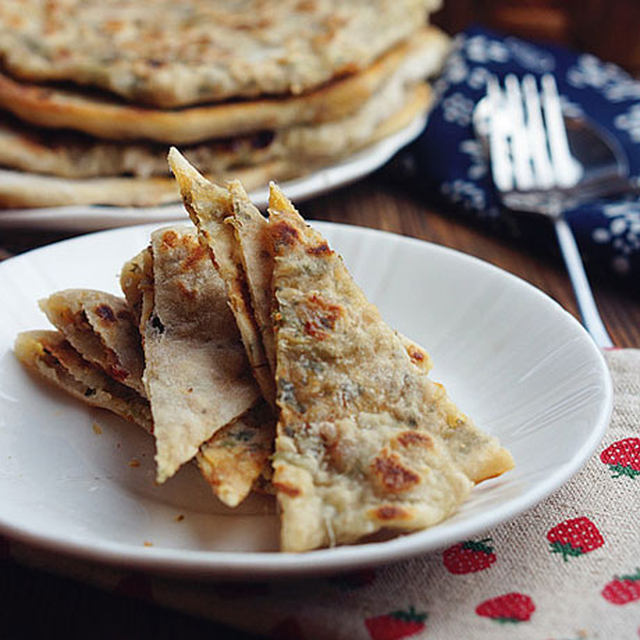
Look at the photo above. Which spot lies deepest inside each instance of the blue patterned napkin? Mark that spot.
(447, 160)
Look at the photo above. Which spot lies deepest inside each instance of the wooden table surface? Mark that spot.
(36, 602)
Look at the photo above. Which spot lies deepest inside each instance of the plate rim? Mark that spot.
(236, 565)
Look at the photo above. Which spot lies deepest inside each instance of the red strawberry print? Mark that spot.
(395, 625)
(623, 589)
(623, 458)
(469, 556)
(574, 537)
(511, 607)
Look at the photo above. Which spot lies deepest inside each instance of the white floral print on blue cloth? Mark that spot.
(450, 162)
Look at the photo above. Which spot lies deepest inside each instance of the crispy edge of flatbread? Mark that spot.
(209, 206)
(101, 328)
(111, 120)
(251, 229)
(50, 355)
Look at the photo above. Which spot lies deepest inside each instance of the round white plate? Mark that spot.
(509, 356)
(92, 218)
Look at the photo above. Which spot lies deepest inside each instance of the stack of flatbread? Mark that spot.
(245, 345)
(92, 93)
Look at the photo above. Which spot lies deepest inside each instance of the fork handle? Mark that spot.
(575, 268)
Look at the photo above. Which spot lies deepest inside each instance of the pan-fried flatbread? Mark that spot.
(196, 376)
(209, 206)
(230, 462)
(238, 454)
(111, 120)
(364, 440)
(233, 459)
(100, 327)
(69, 155)
(48, 354)
(179, 53)
(19, 189)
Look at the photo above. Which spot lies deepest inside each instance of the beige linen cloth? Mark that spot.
(567, 569)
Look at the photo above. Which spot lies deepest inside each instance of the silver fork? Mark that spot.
(533, 170)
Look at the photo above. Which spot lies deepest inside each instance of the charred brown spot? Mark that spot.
(319, 317)
(415, 439)
(391, 512)
(415, 354)
(287, 489)
(392, 474)
(197, 254)
(320, 250)
(284, 234)
(105, 312)
(170, 238)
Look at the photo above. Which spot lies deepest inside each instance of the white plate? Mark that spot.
(509, 355)
(92, 218)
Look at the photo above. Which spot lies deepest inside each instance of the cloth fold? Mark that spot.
(448, 162)
(567, 568)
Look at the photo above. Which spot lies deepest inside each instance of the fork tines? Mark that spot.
(527, 136)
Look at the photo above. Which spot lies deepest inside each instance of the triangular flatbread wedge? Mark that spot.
(50, 355)
(197, 376)
(230, 462)
(365, 441)
(238, 454)
(100, 327)
(209, 206)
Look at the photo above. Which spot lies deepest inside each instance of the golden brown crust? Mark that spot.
(365, 439)
(63, 109)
